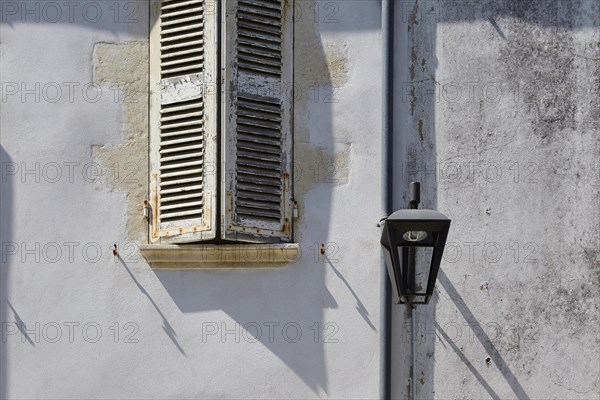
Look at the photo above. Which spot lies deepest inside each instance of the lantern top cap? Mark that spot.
(417, 215)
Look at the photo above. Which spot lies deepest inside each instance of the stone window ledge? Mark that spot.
(221, 256)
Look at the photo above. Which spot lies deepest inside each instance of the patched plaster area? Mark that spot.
(126, 66)
(318, 165)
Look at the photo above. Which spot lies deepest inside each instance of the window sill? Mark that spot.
(207, 256)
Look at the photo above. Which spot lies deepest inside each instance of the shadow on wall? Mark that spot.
(281, 309)
(418, 88)
(116, 17)
(5, 237)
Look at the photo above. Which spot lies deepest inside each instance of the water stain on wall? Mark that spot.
(542, 57)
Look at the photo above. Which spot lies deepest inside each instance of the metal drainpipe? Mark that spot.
(413, 345)
(415, 198)
(387, 44)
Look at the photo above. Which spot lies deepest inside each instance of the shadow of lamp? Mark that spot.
(413, 242)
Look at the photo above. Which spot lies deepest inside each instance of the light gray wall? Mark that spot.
(503, 132)
(164, 347)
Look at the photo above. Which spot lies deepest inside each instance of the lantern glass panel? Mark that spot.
(422, 265)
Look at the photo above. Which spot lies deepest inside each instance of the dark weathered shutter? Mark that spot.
(257, 120)
(183, 56)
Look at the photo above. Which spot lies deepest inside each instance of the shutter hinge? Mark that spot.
(146, 211)
(295, 210)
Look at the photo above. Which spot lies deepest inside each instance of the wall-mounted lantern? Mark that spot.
(413, 242)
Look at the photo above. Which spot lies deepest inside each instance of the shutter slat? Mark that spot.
(264, 4)
(180, 116)
(183, 20)
(173, 124)
(181, 205)
(256, 147)
(259, 155)
(181, 197)
(185, 28)
(187, 213)
(171, 14)
(267, 31)
(180, 181)
(171, 4)
(273, 134)
(261, 51)
(272, 13)
(182, 60)
(181, 148)
(251, 43)
(270, 143)
(190, 35)
(197, 154)
(181, 173)
(252, 213)
(255, 59)
(266, 183)
(255, 121)
(259, 188)
(179, 53)
(272, 208)
(179, 141)
(188, 68)
(181, 190)
(191, 43)
(247, 14)
(255, 163)
(181, 165)
(244, 168)
(181, 132)
(171, 108)
(258, 196)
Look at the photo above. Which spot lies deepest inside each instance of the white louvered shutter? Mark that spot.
(183, 126)
(257, 120)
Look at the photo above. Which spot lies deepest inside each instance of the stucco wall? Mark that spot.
(303, 331)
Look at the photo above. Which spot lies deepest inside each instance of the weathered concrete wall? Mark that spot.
(79, 323)
(500, 122)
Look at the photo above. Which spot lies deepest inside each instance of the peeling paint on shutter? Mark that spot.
(257, 120)
(183, 54)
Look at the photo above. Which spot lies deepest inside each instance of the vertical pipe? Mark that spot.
(414, 196)
(413, 340)
(387, 44)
